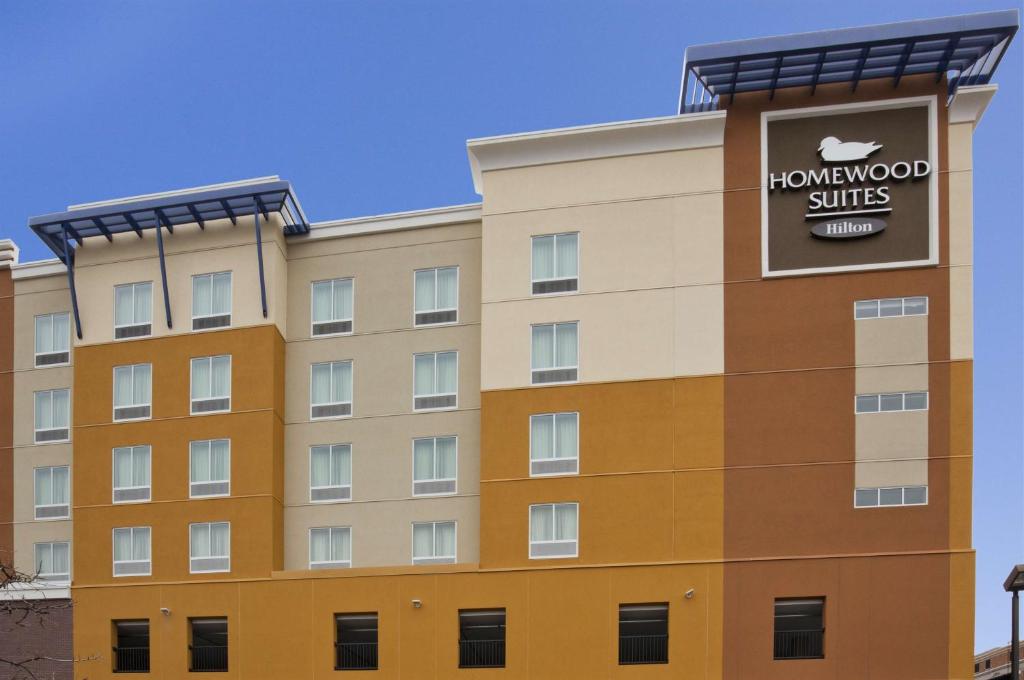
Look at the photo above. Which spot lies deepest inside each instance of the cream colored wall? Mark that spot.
(35, 296)
(893, 340)
(961, 249)
(383, 424)
(100, 265)
(650, 265)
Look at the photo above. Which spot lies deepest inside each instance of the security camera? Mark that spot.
(689, 594)
(165, 611)
(416, 604)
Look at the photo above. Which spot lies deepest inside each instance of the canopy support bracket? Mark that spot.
(163, 264)
(259, 254)
(69, 263)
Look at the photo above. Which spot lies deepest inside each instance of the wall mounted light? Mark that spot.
(165, 611)
(416, 604)
(689, 594)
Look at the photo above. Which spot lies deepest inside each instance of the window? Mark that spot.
(133, 310)
(131, 474)
(209, 547)
(433, 542)
(330, 390)
(330, 473)
(555, 347)
(553, 528)
(436, 296)
(208, 649)
(53, 492)
(435, 380)
(132, 551)
(355, 642)
(890, 496)
(481, 638)
(133, 392)
(643, 633)
(800, 628)
(131, 646)
(211, 301)
(434, 465)
(554, 444)
(209, 468)
(211, 384)
(332, 307)
(53, 561)
(330, 548)
(53, 337)
(555, 263)
(895, 401)
(52, 416)
(889, 307)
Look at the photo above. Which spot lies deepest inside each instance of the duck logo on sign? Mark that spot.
(832, 150)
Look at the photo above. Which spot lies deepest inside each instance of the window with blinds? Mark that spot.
(332, 307)
(435, 380)
(330, 473)
(554, 354)
(133, 310)
(554, 444)
(52, 492)
(209, 468)
(553, 530)
(436, 296)
(555, 263)
(133, 392)
(211, 301)
(330, 390)
(52, 339)
(211, 384)
(132, 551)
(434, 466)
(330, 547)
(52, 416)
(131, 467)
(433, 542)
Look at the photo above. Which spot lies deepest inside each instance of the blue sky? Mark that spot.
(366, 106)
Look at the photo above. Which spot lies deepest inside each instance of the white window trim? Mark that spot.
(36, 355)
(454, 479)
(556, 368)
(579, 266)
(903, 307)
(137, 323)
(575, 458)
(36, 506)
(904, 409)
(879, 489)
(343, 564)
(149, 572)
(35, 431)
(576, 541)
(113, 485)
(191, 400)
(113, 394)
(458, 283)
(435, 394)
(351, 319)
(212, 481)
(433, 525)
(191, 557)
(312, 488)
(351, 402)
(51, 578)
(231, 306)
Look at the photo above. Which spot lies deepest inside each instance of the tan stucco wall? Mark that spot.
(892, 340)
(961, 241)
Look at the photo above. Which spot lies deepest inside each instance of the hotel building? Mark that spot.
(680, 397)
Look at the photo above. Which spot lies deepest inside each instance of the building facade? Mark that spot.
(680, 397)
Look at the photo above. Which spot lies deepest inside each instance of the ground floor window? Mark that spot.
(355, 642)
(131, 646)
(482, 638)
(800, 628)
(208, 650)
(643, 633)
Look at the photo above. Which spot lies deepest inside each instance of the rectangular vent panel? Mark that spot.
(431, 318)
(137, 331)
(131, 412)
(554, 375)
(336, 493)
(442, 401)
(131, 495)
(210, 488)
(52, 358)
(566, 549)
(431, 487)
(554, 466)
(207, 405)
(332, 410)
(52, 512)
(207, 322)
(210, 563)
(558, 286)
(57, 435)
(332, 327)
(131, 568)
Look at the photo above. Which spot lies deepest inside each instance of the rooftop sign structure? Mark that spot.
(967, 48)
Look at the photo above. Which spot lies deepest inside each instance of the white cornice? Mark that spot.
(651, 135)
(969, 103)
(40, 268)
(400, 221)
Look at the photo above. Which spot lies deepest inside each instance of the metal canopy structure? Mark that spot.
(967, 48)
(165, 211)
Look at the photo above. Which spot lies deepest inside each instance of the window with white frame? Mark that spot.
(330, 390)
(555, 263)
(133, 392)
(435, 380)
(52, 339)
(891, 401)
(332, 305)
(209, 468)
(132, 551)
(890, 307)
(211, 301)
(133, 310)
(890, 496)
(211, 384)
(436, 296)
(330, 547)
(330, 473)
(209, 547)
(52, 416)
(553, 530)
(433, 542)
(434, 465)
(53, 561)
(131, 468)
(52, 492)
(555, 353)
(554, 444)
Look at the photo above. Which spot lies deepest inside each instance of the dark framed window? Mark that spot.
(208, 649)
(481, 638)
(131, 646)
(355, 643)
(800, 628)
(643, 633)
